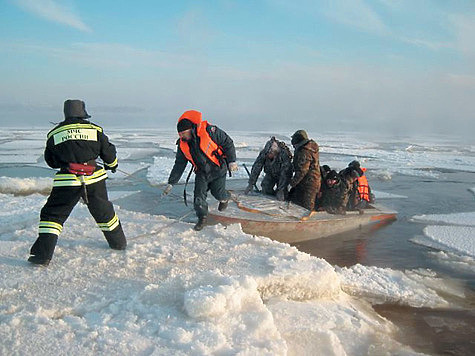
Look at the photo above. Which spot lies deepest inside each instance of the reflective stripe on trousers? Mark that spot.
(110, 225)
(50, 227)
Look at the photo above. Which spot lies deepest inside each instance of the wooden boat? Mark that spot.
(286, 222)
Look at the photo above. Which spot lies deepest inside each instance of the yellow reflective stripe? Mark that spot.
(51, 224)
(96, 176)
(66, 180)
(111, 222)
(74, 126)
(111, 164)
(71, 183)
(64, 176)
(72, 180)
(45, 230)
(110, 225)
(50, 227)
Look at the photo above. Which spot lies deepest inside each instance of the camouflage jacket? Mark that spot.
(280, 168)
(335, 199)
(306, 164)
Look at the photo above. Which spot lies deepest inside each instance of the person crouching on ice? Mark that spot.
(211, 152)
(276, 160)
(73, 146)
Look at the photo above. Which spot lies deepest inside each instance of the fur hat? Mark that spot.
(356, 166)
(299, 136)
(75, 108)
(351, 173)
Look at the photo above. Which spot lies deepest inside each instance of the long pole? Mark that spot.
(249, 174)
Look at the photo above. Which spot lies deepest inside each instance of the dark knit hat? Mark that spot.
(184, 125)
(299, 136)
(75, 108)
(357, 167)
(351, 173)
(332, 175)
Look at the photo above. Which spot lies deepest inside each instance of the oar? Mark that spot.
(249, 174)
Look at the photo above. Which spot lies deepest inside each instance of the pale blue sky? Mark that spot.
(389, 65)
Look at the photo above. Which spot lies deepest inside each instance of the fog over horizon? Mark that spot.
(367, 65)
(316, 99)
(142, 119)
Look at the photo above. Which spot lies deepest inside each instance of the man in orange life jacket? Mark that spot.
(73, 146)
(360, 195)
(211, 152)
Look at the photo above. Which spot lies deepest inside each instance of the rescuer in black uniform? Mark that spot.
(73, 146)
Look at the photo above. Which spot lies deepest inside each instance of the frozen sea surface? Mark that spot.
(221, 291)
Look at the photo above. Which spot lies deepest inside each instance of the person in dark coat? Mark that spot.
(73, 147)
(324, 170)
(360, 194)
(276, 160)
(212, 153)
(350, 176)
(334, 194)
(305, 183)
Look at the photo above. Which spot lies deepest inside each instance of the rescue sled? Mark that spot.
(286, 222)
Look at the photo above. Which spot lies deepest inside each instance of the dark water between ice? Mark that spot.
(432, 331)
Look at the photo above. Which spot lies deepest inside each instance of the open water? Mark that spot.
(432, 331)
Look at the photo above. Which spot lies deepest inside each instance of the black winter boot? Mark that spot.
(39, 260)
(116, 238)
(200, 224)
(223, 205)
(42, 250)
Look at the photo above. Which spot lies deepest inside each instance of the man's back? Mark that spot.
(76, 140)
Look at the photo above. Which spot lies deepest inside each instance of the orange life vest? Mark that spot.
(363, 187)
(207, 145)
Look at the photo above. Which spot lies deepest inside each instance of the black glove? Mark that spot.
(107, 168)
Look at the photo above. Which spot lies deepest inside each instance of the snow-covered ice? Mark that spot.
(177, 291)
(464, 219)
(453, 236)
(218, 291)
(25, 186)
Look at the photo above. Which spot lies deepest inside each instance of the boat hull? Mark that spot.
(291, 226)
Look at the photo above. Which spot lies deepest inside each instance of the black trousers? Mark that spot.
(217, 186)
(58, 207)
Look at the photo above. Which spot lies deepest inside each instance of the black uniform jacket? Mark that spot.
(77, 140)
